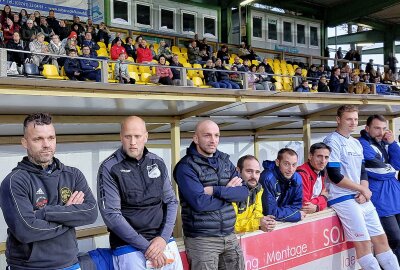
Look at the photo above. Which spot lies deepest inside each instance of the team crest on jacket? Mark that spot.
(65, 194)
(153, 171)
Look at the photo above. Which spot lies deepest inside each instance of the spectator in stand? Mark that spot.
(9, 29)
(209, 49)
(5, 13)
(89, 42)
(176, 79)
(90, 68)
(194, 53)
(247, 52)
(89, 23)
(164, 72)
(121, 70)
(104, 34)
(63, 30)
(56, 47)
(72, 67)
(198, 43)
(138, 42)
(144, 54)
(38, 46)
(23, 17)
(71, 43)
(246, 65)
(53, 22)
(312, 73)
(45, 29)
(29, 32)
(223, 76)
(314, 88)
(237, 62)
(283, 189)
(349, 55)
(204, 54)
(267, 66)
(164, 49)
(357, 87)
(253, 78)
(130, 48)
(116, 50)
(249, 213)
(78, 28)
(381, 153)
(16, 44)
(298, 78)
(1, 37)
(323, 85)
(303, 87)
(223, 55)
(16, 22)
(339, 54)
(313, 175)
(264, 80)
(370, 66)
(321, 71)
(92, 31)
(37, 16)
(153, 52)
(392, 61)
(236, 77)
(210, 76)
(336, 82)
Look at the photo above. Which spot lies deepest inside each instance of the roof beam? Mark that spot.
(379, 50)
(274, 125)
(365, 36)
(201, 110)
(272, 110)
(352, 10)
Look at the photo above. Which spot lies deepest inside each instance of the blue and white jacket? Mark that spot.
(381, 162)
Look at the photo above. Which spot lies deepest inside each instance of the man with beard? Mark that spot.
(381, 155)
(249, 213)
(43, 201)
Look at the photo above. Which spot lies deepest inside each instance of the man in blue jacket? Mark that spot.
(208, 185)
(89, 68)
(282, 185)
(43, 201)
(381, 155)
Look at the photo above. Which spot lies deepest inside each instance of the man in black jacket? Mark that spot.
(16, 44)
(73, 68)
(43, 201)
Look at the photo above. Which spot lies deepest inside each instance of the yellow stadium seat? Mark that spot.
(144, 69)
(182, 60)
(184, 55)
(135, 76)
(133, 68)
(304, 72)
(278, 86)
(102, 44)
(78, 50)
(233, 55)
(231, 61)
(102, 52)
(109, 46)
(130, 59)
(63, 74)
(277, 61)
(156, 47)
(287, 87)
(175, 50)
(255, 62)
(145, 77)
(183, 50)
(51, 72)
(198, 72)
(198, 82)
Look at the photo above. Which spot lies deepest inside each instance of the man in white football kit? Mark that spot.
(349, 195)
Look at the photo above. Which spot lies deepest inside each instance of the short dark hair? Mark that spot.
(375, 116)
(241, 161)
(346, 108)
(285, 150)
(39, 119)
(317, 146)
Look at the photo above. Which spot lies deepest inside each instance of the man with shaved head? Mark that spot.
(208, 185)
(137, 203)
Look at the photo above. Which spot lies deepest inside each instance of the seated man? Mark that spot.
(358, 87)
(249, 213)
(313, 176)
(282, 196)
(72, 67)
(89, 68)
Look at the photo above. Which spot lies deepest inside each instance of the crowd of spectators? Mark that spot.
(35, 34)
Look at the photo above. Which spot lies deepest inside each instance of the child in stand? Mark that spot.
(121, 70)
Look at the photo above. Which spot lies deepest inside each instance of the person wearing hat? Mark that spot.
(72, 42)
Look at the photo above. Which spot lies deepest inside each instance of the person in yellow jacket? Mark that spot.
(249, 213)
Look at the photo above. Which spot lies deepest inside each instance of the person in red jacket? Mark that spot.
(313, 175)
(144, 54)
(117, 49)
